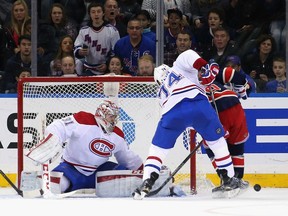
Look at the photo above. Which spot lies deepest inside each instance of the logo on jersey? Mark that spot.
(102, 148)
(218, 130)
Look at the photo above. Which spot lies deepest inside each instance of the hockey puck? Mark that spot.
(257, 187)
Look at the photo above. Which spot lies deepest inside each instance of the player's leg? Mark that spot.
(72, 179)
(234, 120)
(208, 125)
(170, 126)
(237, 154)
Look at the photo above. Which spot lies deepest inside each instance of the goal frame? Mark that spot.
(95, 79)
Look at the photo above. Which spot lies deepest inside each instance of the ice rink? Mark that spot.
(267, 202)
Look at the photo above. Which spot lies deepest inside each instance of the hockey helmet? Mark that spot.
(160, 73)
(107, 116)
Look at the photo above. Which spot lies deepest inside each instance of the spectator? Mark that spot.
(111, 15)
(221, 48)
(22, 59)
(146, 66)
(19, 74)
(65, 48)
(68, 66)
(183, 43)
(200, 9)
(175, 25)
(246, 17)
(128, 9)
(131, 47)
(95, 42)
(183, 5)
(235, 62)
(51, 32)
(279, 84)
(204, 36)
(259, 63)
(145, 19)
(13, 30)
(115, 66)
(69, 6)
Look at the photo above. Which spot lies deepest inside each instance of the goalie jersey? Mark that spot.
(88, 146)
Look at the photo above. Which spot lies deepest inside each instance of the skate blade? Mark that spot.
(137, 196)
(226, 194)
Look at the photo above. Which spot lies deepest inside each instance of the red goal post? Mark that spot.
(44, 99)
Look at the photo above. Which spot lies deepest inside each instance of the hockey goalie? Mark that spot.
(86, 158)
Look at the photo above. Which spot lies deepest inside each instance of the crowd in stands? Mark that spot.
(118, 37)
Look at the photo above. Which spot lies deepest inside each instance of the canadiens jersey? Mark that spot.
(184, 73)
(88, 146)
(100, 44)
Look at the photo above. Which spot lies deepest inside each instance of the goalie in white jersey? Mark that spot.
(185, 104)
(91, 141)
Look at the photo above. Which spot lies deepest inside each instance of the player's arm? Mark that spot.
(56, 134)
(209, 72)
(126, 157)
(238, 80)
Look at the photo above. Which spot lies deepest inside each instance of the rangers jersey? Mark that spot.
(100, 42)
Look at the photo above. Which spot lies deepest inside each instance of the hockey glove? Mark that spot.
(209, 72)
(47, 150)
(241, 91)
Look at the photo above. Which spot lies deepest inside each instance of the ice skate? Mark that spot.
(243, 184)
(146, 187)
(229, 188)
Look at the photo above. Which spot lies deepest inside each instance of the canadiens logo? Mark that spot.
(102, 148)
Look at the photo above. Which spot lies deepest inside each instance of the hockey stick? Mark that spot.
(20, 192)
(24, 194)
(154, 192)
(213, 99)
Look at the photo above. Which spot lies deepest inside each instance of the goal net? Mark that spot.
(42, 100)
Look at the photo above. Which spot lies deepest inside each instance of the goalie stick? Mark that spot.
(154, 192)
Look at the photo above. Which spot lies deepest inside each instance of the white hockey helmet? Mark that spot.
(107, 116)
(160, 73)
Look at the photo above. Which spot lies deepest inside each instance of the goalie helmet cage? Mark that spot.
(44, 99)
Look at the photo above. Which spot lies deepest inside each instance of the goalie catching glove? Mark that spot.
(47, 150)
(209, 72)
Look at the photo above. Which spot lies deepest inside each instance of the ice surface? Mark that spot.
(267, 202)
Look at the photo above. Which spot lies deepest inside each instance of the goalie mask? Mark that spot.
(160, 73)
(107, 116)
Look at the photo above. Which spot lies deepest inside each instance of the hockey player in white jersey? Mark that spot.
(185, 104)
(91, 141)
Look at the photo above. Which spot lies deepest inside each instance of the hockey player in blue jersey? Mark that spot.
(184, 104)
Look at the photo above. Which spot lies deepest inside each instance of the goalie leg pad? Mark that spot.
(59, 183)
(122, 183)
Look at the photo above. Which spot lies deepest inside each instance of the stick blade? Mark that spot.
(32, 194)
